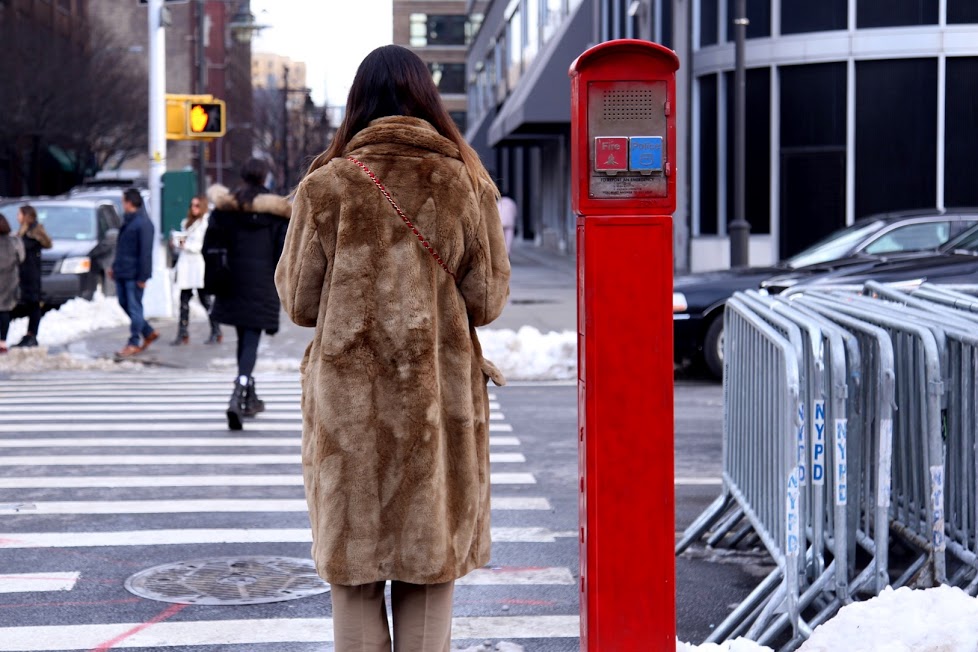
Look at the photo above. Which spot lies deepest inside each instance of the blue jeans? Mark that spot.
(131, 300)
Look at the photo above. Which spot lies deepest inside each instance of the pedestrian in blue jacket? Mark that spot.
(133, 266)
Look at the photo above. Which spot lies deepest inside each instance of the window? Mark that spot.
(709, 15)
(429, 30)
(757, 158)
(824, 15)
(68, 223)
(667, 24)
(532, 32)
(962, 11)
(758, 15)
(514, 58)
(894, 13)
(896, 152)
(913, 237)
(553, 15)
(449, 77)
(961, 132)
(708, 148)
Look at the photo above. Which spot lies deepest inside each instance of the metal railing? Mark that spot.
(850, 419)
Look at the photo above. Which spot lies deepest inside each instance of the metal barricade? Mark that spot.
(760, 463)
(917, 474)
(960, 417)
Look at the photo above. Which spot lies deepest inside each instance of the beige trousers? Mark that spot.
(422, 615)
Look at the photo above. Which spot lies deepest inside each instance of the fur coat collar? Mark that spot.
(396, 132)
(223, 200)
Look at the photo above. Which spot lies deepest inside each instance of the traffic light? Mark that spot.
(195, 117)
(206, 119)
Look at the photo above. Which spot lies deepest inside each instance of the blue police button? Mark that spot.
(645, 154)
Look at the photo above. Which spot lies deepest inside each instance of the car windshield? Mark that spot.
(967, 240)
(836, 246)
(68, 222)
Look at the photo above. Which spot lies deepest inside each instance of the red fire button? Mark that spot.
(610, 154)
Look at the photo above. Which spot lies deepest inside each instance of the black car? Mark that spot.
(956, 264)
(699, 299)
(84, 233)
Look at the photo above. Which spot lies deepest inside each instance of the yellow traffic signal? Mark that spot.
(206, 119)
(195, 117)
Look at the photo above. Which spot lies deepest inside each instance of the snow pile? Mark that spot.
(942, 619)
(736, 645)
(37, 359)
(531, 355)
(72, 320)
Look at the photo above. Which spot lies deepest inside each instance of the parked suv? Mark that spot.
(84, 233)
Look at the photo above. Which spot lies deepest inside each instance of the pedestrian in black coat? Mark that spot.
(35, 238)
(244, 240)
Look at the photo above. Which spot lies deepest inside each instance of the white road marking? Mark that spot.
(168, 460)
(256, 632)
(195, 536)
(202, 425)
(30, 582)
(698, 481)
(194, 506)
(516, 576)
(130, 482)
(178, 442)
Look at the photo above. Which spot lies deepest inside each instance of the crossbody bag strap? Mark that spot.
(424, 242)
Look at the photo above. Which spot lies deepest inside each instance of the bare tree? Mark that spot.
(79, 97)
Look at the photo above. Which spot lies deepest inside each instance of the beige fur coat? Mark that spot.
(395, 446)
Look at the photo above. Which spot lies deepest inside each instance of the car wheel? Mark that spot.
(713, 347)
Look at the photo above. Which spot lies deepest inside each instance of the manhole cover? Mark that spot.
(228, 581)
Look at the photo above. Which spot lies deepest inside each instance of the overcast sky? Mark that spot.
(330, 36)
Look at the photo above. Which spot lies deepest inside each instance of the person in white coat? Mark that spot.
(189, 241)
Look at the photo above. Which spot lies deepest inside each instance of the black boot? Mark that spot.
(28, 341)
(183, 333)
(216, 336)
(236, 406)
(253, 404)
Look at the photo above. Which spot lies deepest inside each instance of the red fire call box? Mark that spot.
(623, 148)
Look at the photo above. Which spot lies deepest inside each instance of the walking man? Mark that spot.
(133, 266)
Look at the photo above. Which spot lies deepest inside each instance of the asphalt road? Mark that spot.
(105, 475)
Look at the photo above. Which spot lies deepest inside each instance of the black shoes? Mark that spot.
(27, 341)
(236, 405)
(253, 405)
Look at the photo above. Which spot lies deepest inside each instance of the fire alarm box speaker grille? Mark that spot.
(628, 104)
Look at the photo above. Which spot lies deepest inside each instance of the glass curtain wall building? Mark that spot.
(854, 107)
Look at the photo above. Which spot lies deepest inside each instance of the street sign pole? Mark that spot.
(156, 300)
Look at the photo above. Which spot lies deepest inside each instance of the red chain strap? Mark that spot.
(407, 222)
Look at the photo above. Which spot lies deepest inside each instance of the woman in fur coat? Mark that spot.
(242, 245)
(395, 447)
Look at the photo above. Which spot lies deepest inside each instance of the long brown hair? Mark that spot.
(28, 211)
(390, 81)
(191, 218)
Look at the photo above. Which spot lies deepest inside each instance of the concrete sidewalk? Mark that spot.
(543, 295)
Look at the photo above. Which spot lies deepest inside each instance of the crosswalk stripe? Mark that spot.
(30, 582)
(191, 506)
(169, 460)
(178, 442)
(202, 425)
(146, 481)
(697, 481)
(520, 576)
(258, 631)
(276, 414)
(188, 536)
(74, 404)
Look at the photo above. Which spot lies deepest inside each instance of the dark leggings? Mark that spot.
(34, 317)
(4, 324)
(247, 349)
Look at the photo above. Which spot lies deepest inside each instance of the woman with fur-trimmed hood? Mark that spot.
(242, 245)
(395, 447)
